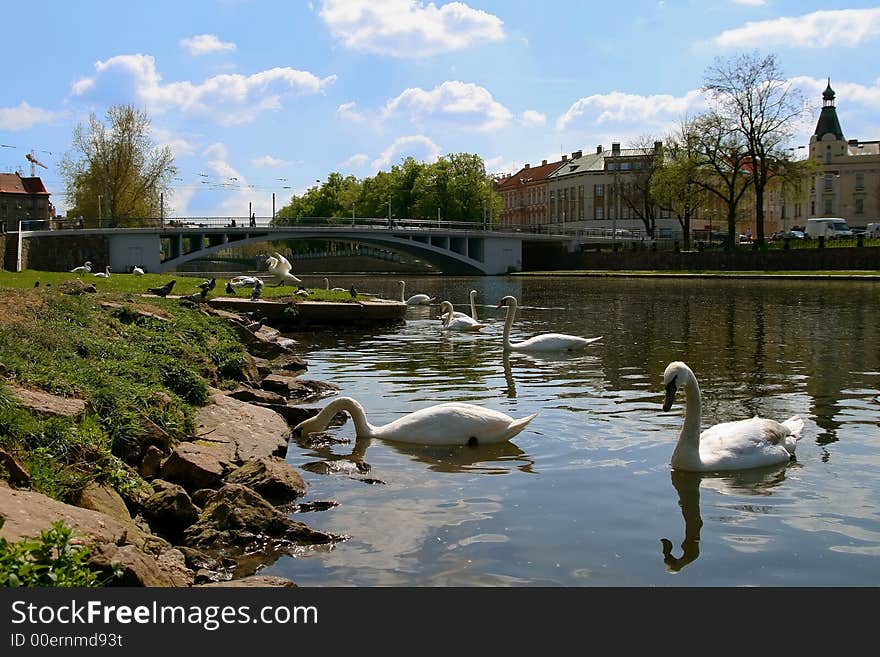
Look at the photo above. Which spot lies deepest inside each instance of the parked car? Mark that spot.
(829, 227)
(872, 230)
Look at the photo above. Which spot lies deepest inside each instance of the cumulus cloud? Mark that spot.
(531, 118)
(227, 99)
(819, 29)
(419, 146)
(25, 116)
(408, 28)
(205, 44)
(355, 161)
(180, 146)
(752, 3)
(652, 111)
(467, 105)
(269, 162)
(348, 112)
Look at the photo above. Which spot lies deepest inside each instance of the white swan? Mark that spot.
(473, 295)
(728, 446)
(416, 299)
(334, 289)
(137, 271)
(85, 268)
(460, 323)
(103, 274)
(280, 266)
(542, 342)
(244, 281)
(452, 423)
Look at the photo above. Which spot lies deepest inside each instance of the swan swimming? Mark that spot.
(542, 342)
(334, 289)
(416, 299)
(280, 266)
(733, 445)
(103, 274)
(460, 323)
(472, 295)
(452, 423)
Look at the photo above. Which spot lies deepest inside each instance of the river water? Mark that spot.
(585, 495)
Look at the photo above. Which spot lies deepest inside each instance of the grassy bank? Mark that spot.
(135, 371)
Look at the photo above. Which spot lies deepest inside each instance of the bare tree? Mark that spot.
(763, 107)
(115, 170)
(636, 193)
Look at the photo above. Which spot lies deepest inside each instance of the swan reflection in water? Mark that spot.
(757, 481)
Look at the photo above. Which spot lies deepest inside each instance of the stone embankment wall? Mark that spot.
(856, 258)
(51, 254)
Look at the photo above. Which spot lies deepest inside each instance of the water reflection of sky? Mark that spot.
(583, 496)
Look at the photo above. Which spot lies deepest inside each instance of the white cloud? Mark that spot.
(531, 118)
(500, 165)
(179, 146)
(228, 99)
(751, 3)
(355, 161)
(205, 44)
(269, 161)
(427, 149)
(408, 28)
(653, 111)
(820, 29)
(347, 111)
(25, 116)
(216, 151)
(467, 105)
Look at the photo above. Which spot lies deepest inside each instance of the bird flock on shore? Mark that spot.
(733, 445)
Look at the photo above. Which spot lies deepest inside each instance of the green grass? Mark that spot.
(127, 368)
(185, 285)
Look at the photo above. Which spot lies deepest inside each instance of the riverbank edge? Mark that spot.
(845, 276)
(118, 539)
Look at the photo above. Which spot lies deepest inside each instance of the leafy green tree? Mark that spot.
(115, 170)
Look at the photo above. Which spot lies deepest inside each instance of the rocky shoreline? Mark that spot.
(218, 505)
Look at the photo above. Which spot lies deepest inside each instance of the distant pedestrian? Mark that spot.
(253, 220)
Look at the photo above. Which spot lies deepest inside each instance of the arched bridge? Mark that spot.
(453, 247)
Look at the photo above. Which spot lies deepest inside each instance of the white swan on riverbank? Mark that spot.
(84, 268)
(334, 289)
(416, 299)
(542, 342)
(460, 323)
(733, 445)
(244, 281)
(280, 267)
(137, 271)
(452, 423)
(103, 274)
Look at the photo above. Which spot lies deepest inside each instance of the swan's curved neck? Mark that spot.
(508, 322)
(363, 428)
(326, 283)
(473, 307)
(689, 438)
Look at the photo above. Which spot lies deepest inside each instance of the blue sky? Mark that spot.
(260, 97)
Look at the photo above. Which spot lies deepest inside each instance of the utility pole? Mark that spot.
(161, 209)
(273, 206)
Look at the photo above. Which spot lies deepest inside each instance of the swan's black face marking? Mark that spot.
(472, 441)
(671, 389)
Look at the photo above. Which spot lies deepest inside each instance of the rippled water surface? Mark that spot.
(585, 496)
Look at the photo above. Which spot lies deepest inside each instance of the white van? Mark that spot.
(873, 230)
(828, 227)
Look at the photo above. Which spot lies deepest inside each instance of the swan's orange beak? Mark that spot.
(670, 395)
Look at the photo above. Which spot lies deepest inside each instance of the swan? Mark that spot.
(542, 342)
(137, 271)
(473, 315)
(461, 323)
(733, 445)
(103, 274)
(85, 268)
(416, 299)
(246, 281)
(334, 289)
(280, 267)
(451, 423)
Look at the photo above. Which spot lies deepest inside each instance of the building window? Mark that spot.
(599, 212)
(828, 206)
(829, 185)
(828, 155)
(812, 208)
(860, 181)
(624, 166)
(598, 190)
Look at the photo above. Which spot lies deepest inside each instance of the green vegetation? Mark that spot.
(50, 560)
(135, 372)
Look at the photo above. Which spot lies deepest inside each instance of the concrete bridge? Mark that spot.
(453, 247)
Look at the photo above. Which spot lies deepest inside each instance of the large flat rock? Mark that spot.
(254, 431)
(48, 404)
